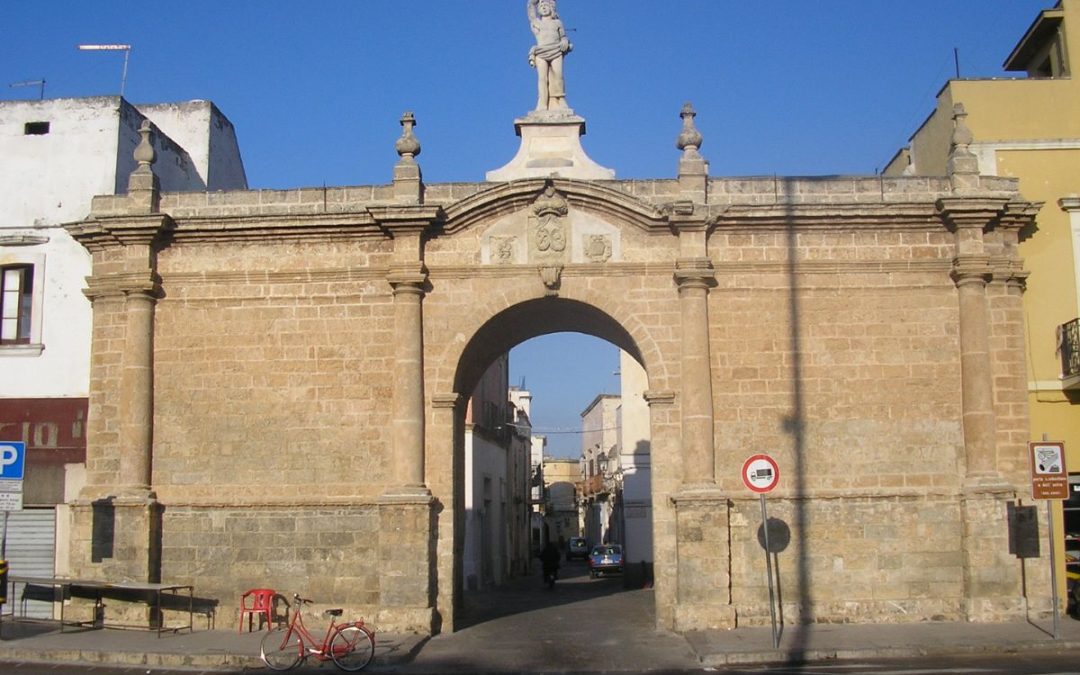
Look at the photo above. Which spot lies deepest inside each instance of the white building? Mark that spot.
(617, 472)
(635, 503)
(600, 469)
(497, 460)
(55, 154)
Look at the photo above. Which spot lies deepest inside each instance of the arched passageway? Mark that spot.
(577, 496)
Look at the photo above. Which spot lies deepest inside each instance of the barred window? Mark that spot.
(16, 303)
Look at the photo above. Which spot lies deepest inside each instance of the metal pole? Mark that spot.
(123, 76)
(3, 541)
(1053, 568)
(768, 567)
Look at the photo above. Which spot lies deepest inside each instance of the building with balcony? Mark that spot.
(601, 476)
(1029, 128)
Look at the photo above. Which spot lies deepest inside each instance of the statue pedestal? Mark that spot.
(551, 147)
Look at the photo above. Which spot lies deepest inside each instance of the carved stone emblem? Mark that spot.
(502, 250)
(597, 247)
(548, 227)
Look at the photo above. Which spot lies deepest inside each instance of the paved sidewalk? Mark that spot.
(225, 650)
(566, 630)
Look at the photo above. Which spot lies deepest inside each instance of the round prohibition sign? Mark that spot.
(760, 473)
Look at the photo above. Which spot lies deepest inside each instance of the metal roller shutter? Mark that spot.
(31, 537)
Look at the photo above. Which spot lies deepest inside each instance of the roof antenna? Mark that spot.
(956, 61)
(32, 83)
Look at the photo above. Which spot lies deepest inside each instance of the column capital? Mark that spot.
(102, 233)
(408, 278)
(967, 212)
(694, 273)
(403, 220)
(656, 397)
(131, 284)
(1019, 214)
(971, 269)
(447, 401)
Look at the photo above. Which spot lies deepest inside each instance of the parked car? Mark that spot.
(577, 548)
(605, 559)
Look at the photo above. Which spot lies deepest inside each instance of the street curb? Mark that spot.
(812, 655)
(398, 654)
(120, 658)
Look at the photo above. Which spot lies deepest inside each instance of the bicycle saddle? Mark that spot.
(333, 612)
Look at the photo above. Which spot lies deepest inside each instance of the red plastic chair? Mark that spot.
(257, 601)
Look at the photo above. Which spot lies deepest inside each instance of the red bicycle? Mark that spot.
(349, 645)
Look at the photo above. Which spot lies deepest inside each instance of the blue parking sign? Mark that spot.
(12, 459)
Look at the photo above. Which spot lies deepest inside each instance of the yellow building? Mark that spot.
(1029, 128)
(561, 480)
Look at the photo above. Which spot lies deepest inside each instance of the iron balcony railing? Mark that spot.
(1070, 349)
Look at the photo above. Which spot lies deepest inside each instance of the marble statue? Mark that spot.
(547, 55)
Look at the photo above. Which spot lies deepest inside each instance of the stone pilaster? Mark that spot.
(117, 521)
(135, 280)
(448, 459)
(407, 546)
(991, 588)
(408, 278)
(702, 536)
(666, 477)
(408, 399)
(702, 532)
(971, 272)
(694, 276)
(137, 392)
(406, 564)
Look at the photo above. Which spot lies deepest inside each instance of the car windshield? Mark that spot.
(607, 550)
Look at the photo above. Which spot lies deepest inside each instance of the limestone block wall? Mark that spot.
(850, 560)
(329, 554)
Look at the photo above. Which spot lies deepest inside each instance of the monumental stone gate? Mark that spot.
(279, 378)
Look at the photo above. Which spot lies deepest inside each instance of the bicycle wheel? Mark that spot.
(280, 649)
(352, 647)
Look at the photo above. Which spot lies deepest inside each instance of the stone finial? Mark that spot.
(693, 169)
(961, 137)
(143, 186)
(961, 158)
(408, 181)
(144, 152)
(408, 147)
(690, 139)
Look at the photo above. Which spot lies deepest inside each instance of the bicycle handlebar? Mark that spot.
(302, 601)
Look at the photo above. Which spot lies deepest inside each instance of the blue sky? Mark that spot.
(316, 89)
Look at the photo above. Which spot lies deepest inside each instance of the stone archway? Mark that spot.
(242, 338)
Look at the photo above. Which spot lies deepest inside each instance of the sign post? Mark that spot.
(12, 462)
(1050, 481)
(760, 474)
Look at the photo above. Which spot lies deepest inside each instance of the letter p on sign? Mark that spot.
(12, 457)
